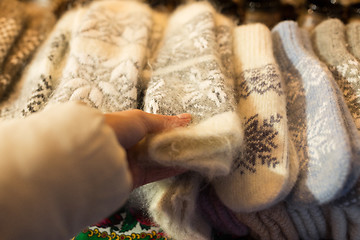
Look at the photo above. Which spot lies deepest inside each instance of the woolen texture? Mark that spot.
(218, 215)
(11, 25)
(260, 176)
(189, 75)
(272, 223)
(41, 76)
(326, 151)
(107, 51)
(330, 45)
(38, 23)
(353, 38)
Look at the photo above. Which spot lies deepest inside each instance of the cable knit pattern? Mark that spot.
(327, 151)
(106, 77)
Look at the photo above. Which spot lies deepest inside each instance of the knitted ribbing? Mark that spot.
(260, 176)
(309, 221)
(42, 75)
(344, 222)
(328, 159)
(11, 24)
(272, 223)
(219, 216)
(39, 22)
(353, 38)
(189, 76)
(107, 51)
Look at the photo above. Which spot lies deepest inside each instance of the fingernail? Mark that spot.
(184, 116)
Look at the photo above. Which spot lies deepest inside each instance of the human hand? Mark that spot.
(133, 125)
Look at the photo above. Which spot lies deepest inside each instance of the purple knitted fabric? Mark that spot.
(218, 215)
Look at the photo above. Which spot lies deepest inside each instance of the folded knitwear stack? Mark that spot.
(273, 148)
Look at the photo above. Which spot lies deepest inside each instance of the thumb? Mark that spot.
(156, 123)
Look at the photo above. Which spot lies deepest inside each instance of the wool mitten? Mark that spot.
(11, 24)
(330, 45)
(260, 175)
(272, 223)
(353, 38)
(218, 215)
(107, 51)
(39, 22)
(189, 76)
(327, 152)
(344, 67)
(41, 76)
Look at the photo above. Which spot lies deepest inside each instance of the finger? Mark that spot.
(156, 122)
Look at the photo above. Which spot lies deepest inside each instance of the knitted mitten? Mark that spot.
(107, 51)
(353, 38)
(272, 223)
(39, 22)
(42, 74)
(11, 24)
(260, 176)
(188, 76)
(330, 45)
(218, 215)
(326, 149)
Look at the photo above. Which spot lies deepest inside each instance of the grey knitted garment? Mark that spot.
(328, 154)
(330, 45)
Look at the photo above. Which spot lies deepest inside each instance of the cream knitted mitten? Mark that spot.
(188, 76)
(107, 51)
(261, 175)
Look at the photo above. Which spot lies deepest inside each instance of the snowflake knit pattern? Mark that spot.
(328, 165)
(260, 175)
(330, 45)
(189, 76)
(42, 74)
(107, 52)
